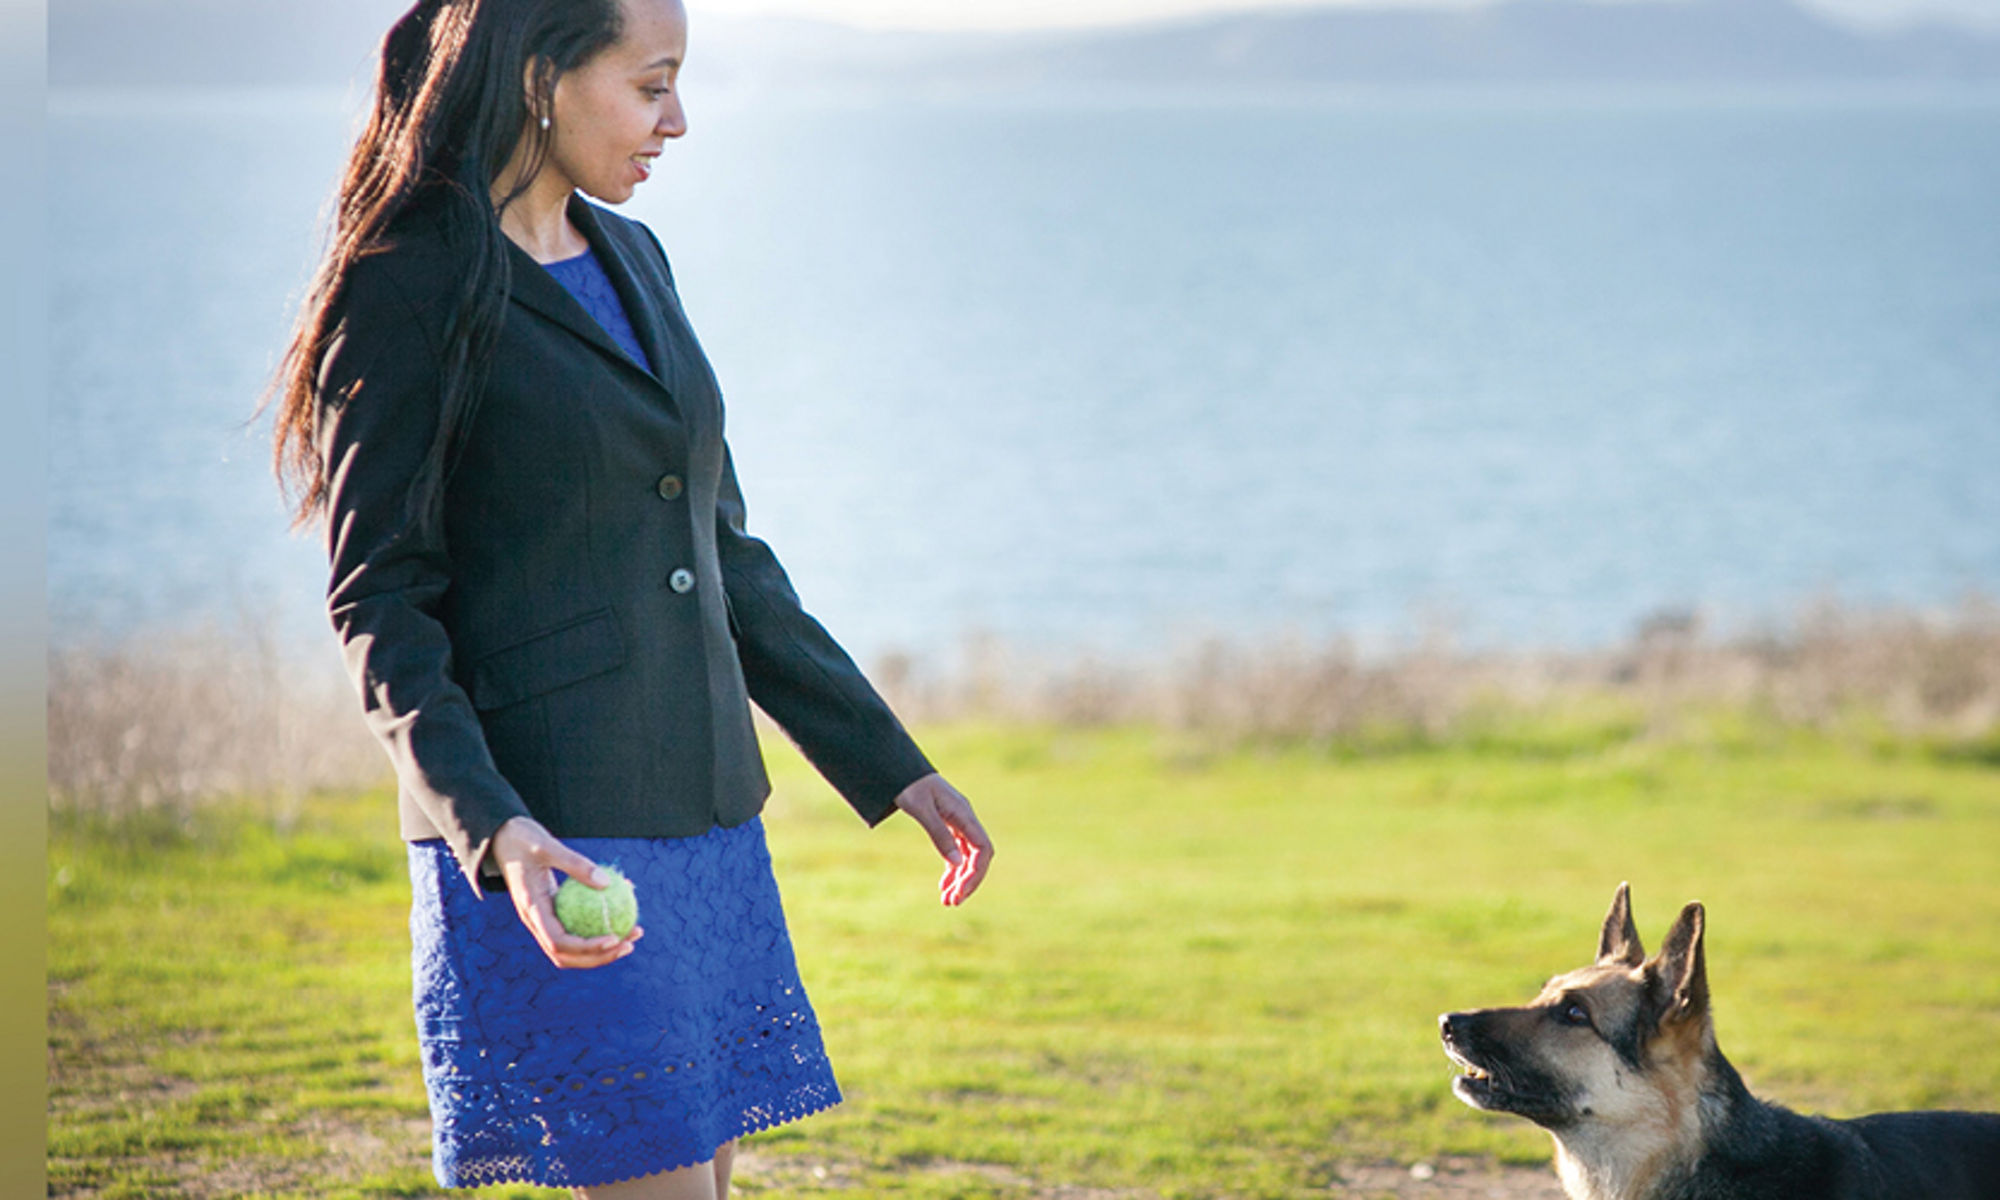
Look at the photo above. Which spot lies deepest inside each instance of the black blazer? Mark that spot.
(581, 639)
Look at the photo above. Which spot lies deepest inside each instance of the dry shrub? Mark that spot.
(1914, 673)
(1296, 690)
(160, 723)
(1920, 674)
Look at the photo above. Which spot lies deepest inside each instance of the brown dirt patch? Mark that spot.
(1444, 1179)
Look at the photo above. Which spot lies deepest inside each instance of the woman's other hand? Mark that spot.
(947, 816)
(529, 856)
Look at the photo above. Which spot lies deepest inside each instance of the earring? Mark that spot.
(545, 124)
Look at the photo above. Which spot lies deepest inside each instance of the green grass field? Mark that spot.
(1192, 972)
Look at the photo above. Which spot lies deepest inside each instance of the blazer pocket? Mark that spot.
(589, 645)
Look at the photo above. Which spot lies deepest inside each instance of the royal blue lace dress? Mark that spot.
(575, 1078)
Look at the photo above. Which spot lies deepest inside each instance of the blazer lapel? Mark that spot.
(534, 288)
(642, 304)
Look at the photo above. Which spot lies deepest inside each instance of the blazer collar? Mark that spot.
(536, 289)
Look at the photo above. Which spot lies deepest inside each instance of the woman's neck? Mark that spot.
(538, 221)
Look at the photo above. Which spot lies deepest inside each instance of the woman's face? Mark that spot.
(615, 112)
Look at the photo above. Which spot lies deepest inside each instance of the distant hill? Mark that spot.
(286, 42)
(1666, 41)
(149, 43)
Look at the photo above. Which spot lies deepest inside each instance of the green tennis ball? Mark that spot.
(588, 913)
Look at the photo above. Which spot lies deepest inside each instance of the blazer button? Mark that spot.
(670, 487)
(682, 580)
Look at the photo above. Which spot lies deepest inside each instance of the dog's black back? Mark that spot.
(1932, 1155)
(1764, 1152)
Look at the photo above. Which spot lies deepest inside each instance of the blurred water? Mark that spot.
(1093, 374)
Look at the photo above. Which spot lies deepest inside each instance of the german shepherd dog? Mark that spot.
(1618, 1062)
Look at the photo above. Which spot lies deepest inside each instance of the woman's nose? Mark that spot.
(673, 120)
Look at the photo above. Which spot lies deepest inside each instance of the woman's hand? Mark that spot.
(529, 856)
(955, 831)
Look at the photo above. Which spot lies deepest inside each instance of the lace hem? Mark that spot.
(632, 1158)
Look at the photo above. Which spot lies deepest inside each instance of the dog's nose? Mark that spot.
(1453, 1027)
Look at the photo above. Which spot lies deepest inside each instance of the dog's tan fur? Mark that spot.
(1641, 1123)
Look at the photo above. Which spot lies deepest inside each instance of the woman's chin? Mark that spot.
(618, 194)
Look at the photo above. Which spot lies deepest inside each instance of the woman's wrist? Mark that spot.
(505, 844)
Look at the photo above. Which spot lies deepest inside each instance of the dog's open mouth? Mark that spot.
(1476, 1084)
(1475, 1087)
(1503, 1087)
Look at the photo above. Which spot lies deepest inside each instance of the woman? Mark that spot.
(547, 599)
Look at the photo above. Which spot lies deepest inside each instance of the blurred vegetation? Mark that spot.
(154, 726)
(146, 730)
(1934, 676)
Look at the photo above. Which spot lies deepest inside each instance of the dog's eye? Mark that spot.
(1572, 1013)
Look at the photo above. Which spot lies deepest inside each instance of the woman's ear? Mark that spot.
(537, 93)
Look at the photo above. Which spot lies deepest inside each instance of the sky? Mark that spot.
(1030, 14)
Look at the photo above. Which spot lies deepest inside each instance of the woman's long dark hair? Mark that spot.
(449, 110)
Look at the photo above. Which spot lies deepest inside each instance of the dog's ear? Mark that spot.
(1683, 970)
(1619, 943)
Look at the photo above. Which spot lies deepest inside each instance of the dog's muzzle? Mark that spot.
(1475, 1086)
(1495, 1078)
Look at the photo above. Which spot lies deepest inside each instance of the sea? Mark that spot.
(1103, 374)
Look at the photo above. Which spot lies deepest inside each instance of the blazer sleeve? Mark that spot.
(803, 679)
(379, 395)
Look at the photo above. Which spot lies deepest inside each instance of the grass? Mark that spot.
(1194, 971)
